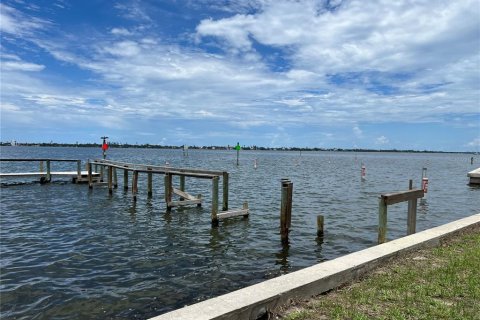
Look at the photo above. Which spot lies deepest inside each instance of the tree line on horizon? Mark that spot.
(232, 147)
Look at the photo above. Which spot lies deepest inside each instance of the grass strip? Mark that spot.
(438, 283)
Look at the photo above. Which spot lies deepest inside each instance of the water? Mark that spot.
(70, 252)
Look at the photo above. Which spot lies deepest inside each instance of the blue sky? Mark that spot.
(346, 74)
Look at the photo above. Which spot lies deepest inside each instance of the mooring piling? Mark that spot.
(90, 180)
(125, 179)
(214, 201)
(135, 184)
(149, 183)
(110, 180)
(320, 225)
(225, 190)
(285, 209)
(115, 178)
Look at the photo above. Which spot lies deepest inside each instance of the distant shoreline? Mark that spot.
(257, 148)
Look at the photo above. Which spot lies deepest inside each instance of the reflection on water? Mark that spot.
(282, 258)
(67, 250)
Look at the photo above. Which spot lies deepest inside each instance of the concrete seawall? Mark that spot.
(253, 301)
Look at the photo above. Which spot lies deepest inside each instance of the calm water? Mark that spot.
(70, 252)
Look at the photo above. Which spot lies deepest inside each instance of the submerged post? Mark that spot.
(382, 220)
(214, 201)
(225, 191)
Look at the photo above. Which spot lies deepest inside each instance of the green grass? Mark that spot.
(439, 283)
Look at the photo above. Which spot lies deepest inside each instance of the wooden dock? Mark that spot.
(96, 169)
(45, 173)
(474, 176)
(111, 167)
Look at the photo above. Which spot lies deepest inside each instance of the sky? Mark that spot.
(329, 74)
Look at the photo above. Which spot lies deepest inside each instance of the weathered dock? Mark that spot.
(170, 191)
(46, 175)
(474, 177)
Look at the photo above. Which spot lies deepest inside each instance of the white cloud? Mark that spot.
(21, 66)
(120, 32)
(382, 140)
(357, 132)
(16, 23)
(474, 143)
(336, 65)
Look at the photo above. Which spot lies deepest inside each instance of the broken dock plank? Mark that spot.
(234, 213)
(184, 203)
(184, 194)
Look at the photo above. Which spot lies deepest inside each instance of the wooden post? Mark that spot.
(225, 191)
(412, 212)
(199, 196)
(90, 180)
(214, 201)
(79, 170)
(135, 185)
(382, 220)
(245, 207)
(110, 179)
(149, 183)
(101, 172)
(320, 221)
(289, 201)
(115, 178)
(168, 190)
(182, 186)
(284, 212)
(49, 174)
(41, 166)
(125, 179)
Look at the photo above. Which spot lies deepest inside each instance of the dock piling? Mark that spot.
(412, 212)
(115, 179)
(225, 190)
(182, 186)
(382, 220)
(285, 209)
(214, 201)
(49, 176)
(135, 185)
(125, 179)
(320, 225)
(90, 179)
(168, 190)
(110, 179)
(149, 183)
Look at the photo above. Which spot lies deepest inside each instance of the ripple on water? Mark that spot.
(72, 252)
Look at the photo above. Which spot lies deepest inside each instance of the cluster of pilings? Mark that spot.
(168, 172)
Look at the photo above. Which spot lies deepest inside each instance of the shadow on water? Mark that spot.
(282, 258)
